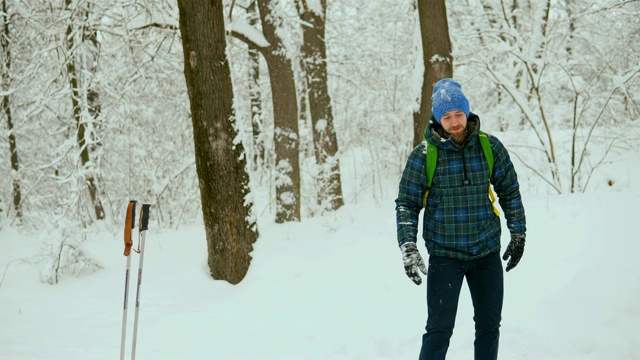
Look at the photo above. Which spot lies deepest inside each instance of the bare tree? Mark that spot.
(314, 55)
(285, 113)
(436, 57)
(570, 9)
(6, 108)
(255, 96)
(220, 161)
(81, 94)
(285, 110)
(554, 72)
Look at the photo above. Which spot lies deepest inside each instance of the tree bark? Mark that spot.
(436, 57)
(314, 53)
(285, 113)
(220, 162)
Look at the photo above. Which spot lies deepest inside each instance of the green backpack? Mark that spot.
(432, 158)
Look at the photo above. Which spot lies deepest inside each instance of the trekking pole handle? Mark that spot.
(144, 219)
(129, 224)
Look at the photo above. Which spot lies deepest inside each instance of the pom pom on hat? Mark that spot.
(447, 96)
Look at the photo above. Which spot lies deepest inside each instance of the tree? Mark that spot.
(314, 55)
(220, 160)
(285, 114)
(285, 107)
(436, 58)
(6, 108)
(255, 96)
(81, 63)
(558, 81)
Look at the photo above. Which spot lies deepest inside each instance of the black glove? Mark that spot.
(412, 262)
(514, 250)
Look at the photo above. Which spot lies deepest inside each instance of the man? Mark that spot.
(461, 228)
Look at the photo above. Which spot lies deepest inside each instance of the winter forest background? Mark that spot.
(95, 108)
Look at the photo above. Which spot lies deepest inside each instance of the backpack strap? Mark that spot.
(431, 160)
(488, 154)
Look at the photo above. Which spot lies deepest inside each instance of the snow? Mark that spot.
(239, 25)
(331, 287)
(316, 7)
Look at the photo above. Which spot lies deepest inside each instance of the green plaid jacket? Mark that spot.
(458, 221)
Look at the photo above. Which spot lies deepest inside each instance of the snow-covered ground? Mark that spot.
(332, 287)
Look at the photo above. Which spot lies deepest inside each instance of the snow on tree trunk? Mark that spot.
(285, 114)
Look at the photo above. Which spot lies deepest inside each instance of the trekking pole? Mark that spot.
(129, 224)
(142, 228)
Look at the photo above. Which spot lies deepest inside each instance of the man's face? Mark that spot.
(454, 123)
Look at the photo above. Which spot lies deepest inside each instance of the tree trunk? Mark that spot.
(254, 92)
(82, 136)
(571, 6)
(436, 56)
(544, 33)
(220, 162)
(325, 140)
(6, 108)
(285, 113)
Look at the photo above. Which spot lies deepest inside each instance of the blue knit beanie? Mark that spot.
(447, 96)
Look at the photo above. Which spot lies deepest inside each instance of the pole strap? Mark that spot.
(129, 224)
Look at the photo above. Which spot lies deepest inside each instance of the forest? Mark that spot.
(197, 106)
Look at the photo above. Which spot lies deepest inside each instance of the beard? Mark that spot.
(460, 137)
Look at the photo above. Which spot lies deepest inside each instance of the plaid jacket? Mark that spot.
(458, 220)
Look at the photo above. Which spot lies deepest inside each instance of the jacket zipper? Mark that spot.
(465, 180)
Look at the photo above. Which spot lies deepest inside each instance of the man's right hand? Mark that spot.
(412, 262)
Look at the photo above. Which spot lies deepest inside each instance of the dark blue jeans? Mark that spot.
(444, 281)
